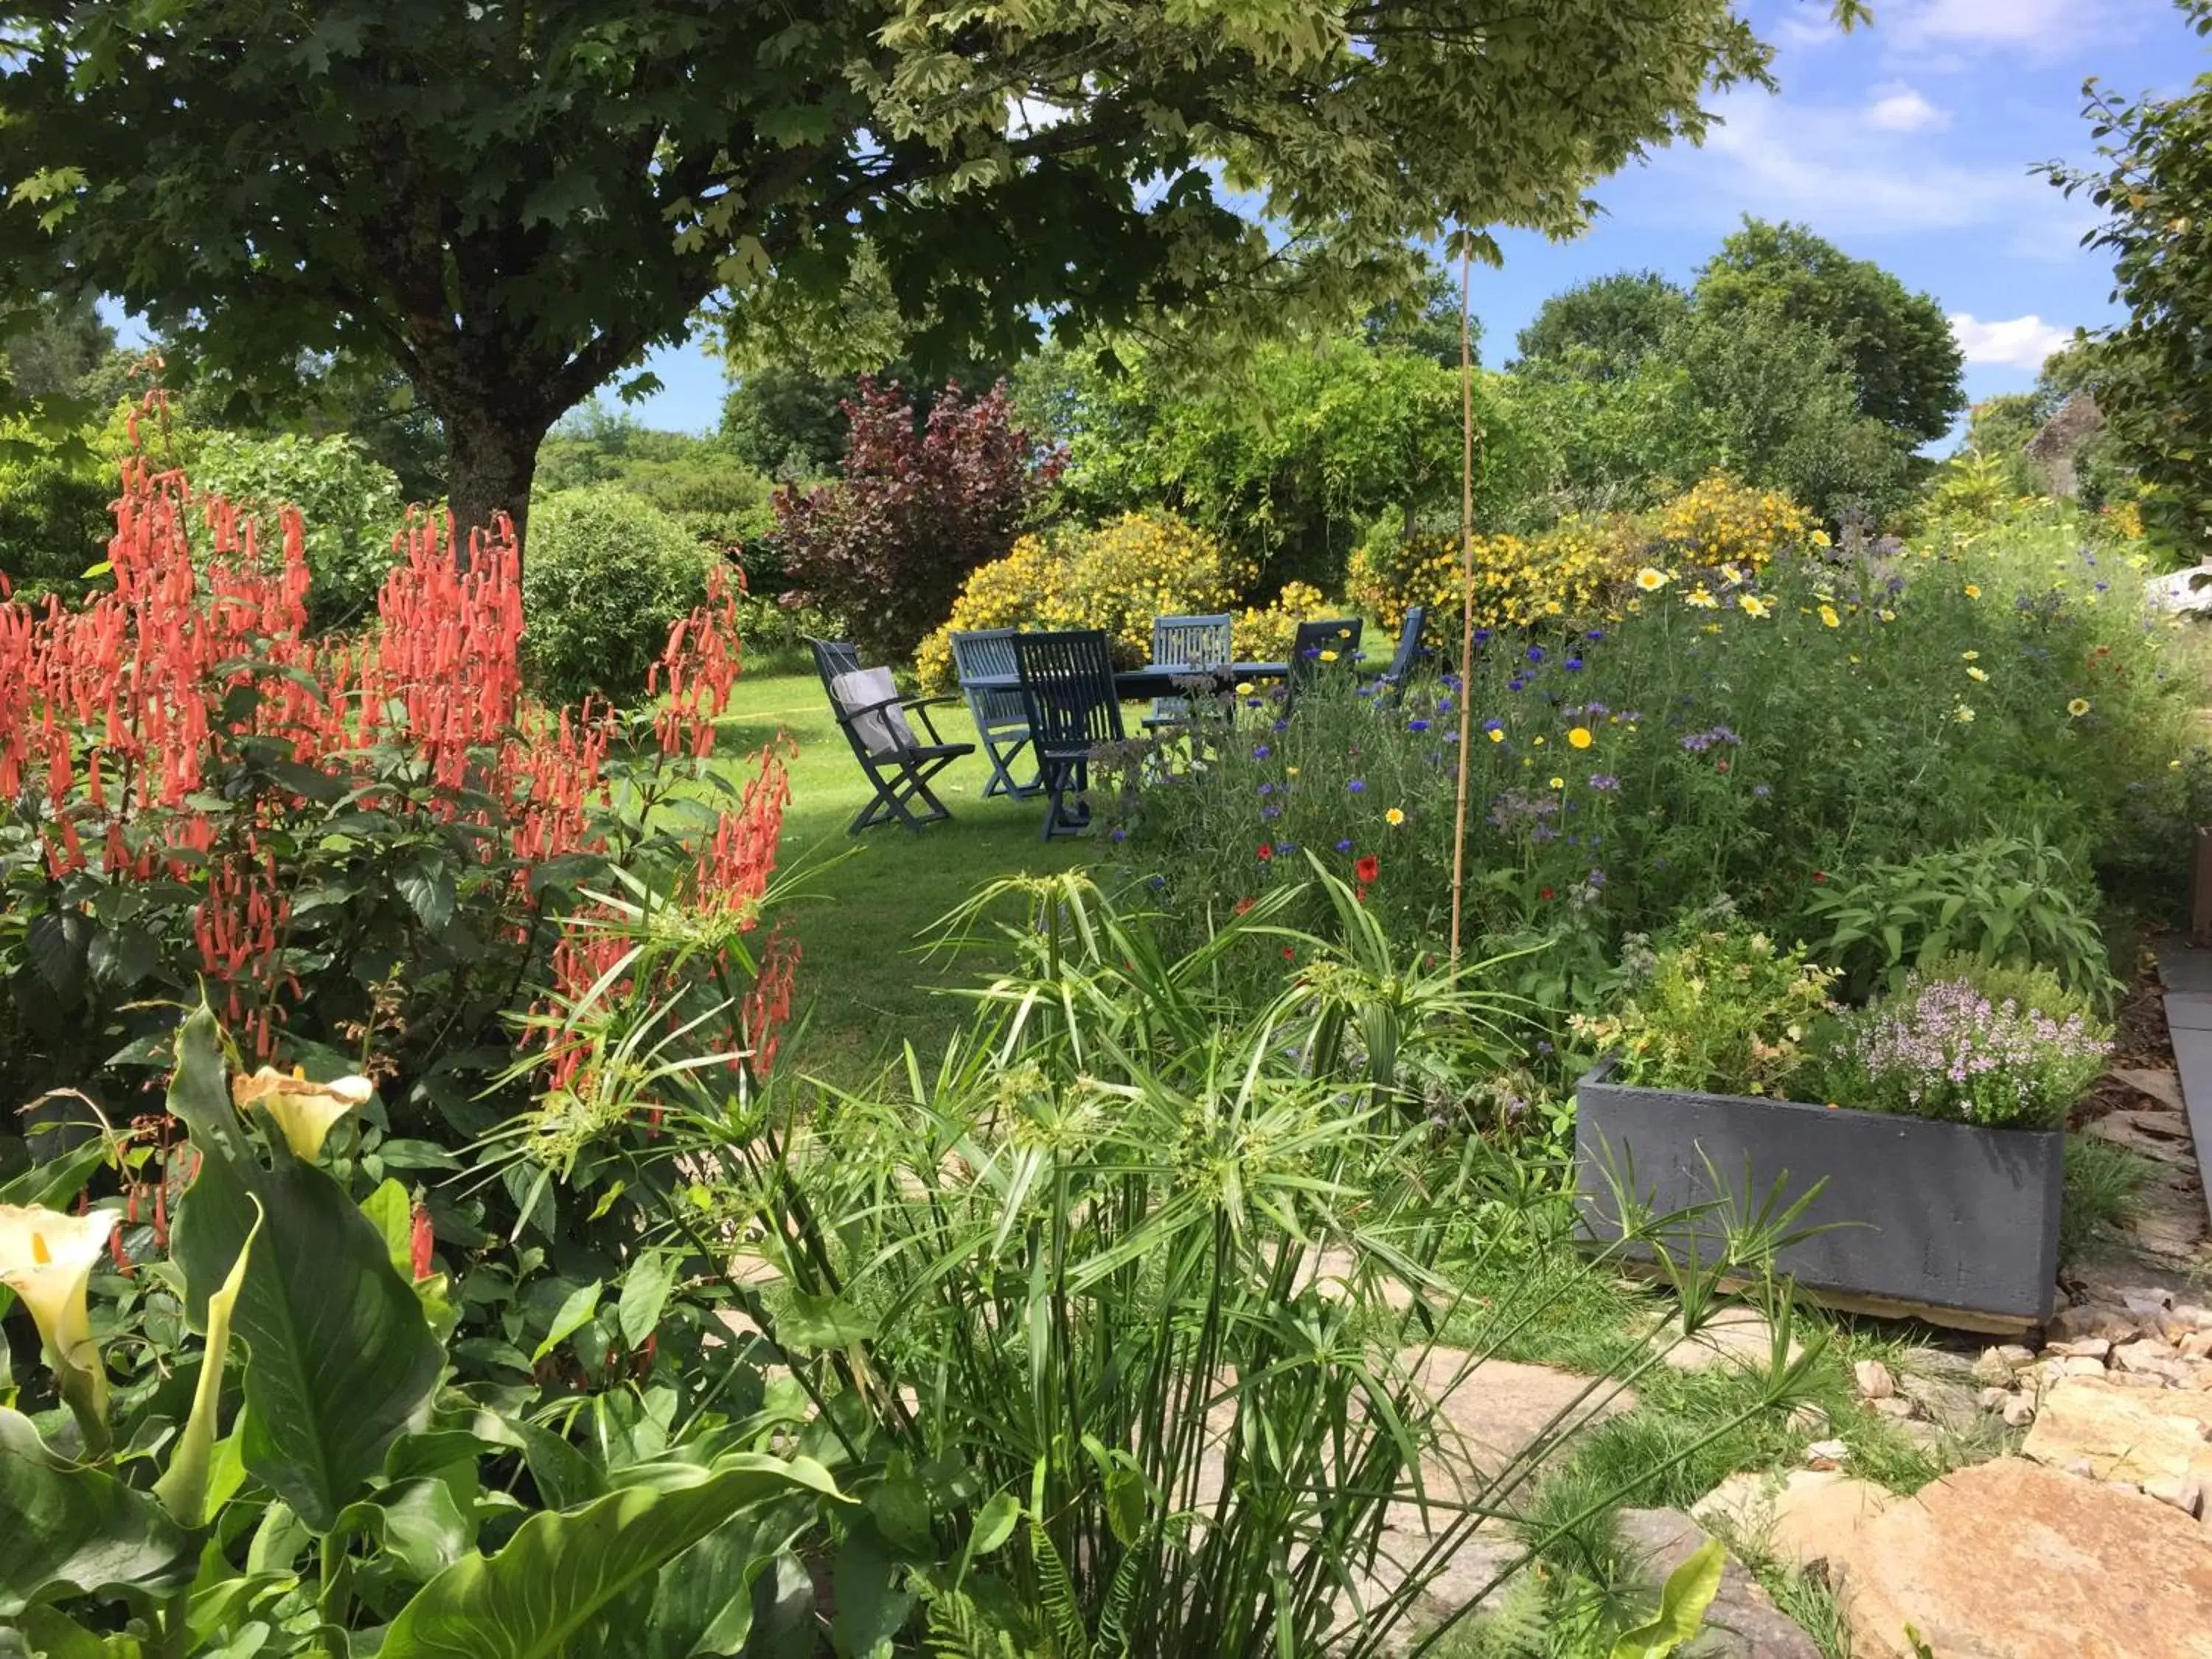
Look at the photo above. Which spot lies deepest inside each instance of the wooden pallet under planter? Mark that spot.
(1947, 1222)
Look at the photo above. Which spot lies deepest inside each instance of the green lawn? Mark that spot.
(865, 985)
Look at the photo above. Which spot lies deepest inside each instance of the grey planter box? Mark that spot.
(1948, 1222)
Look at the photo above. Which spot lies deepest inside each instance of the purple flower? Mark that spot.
(1266, 789)
(1516, 683)
(1344, 846)
(1595, 634)
(1761, 790)
(1493, 726)
(1270, 813)
(1536, 653)
(1260, 751)
(1604, 782)
(1417, 726)
(1357, 786)
(1119, 835)
(1287, 847)
(1573, 665)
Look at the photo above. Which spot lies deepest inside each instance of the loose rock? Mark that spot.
(2088, 1321)
(2124, 1432)
(1874, 1380)
(1826, 1454)
(1742, 1622)
(1809, 1518)
(2009, 1560)
(2019, 1412)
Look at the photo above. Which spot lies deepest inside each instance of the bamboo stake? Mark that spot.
(1466, 581)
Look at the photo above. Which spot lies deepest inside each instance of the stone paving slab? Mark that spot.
(2192, 1058)
(2189, 1011)
(2183, 968)
(2011, 1561)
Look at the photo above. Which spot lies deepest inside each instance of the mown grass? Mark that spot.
(865, 984)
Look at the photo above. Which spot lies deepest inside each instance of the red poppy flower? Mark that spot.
(1243, 905)
(1288, 955)
(1546, 896)
(1367, 869)
(1265, 852)
(1819, 875)
(1720, 766)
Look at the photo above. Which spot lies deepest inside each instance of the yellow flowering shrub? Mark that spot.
(1118, 577)
(1719, 521)
(1264, 633)
(1581, 565)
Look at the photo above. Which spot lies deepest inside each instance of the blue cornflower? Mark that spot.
(1260, 751)
(1357, 786)
(1516, 683)
(1536, 653)
(1344, 846)
(1266, 788)
(1595, 634)
(1119, 835)
(1417, 726)
(1573, 665)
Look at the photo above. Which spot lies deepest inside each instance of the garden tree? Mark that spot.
(1289, 456)
(60, 351)
(1898, 344)
(885, 547)
(513, 200)
(1614, 321)
(1424, 319)
(1769, 398)
(2152, 375)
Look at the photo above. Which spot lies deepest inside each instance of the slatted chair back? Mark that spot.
(1067, 686)
(833, 661)
(1002, 719)
(1319, 646)
(1193, 641)
(1391, 687)
(1187, 642)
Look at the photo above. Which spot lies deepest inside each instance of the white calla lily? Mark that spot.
(46, 1257)
(302, 1111)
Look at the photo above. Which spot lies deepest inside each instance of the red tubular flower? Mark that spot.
(422, 1240)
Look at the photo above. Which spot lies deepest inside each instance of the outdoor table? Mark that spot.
(1155, 679)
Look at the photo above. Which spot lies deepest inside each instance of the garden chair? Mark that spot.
(1002, 721)
(872, 716)
(1390, 682)
(1192, 642)
(1067, 688)
(1315, 646)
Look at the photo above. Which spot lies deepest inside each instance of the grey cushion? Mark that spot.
(883, 731)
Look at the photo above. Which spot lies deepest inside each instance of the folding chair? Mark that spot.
(1405, 659)
(872, 716)
(1317, 646)
(1187, 643)
(1002, 721)
(1067, 686)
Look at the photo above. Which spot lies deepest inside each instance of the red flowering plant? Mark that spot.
(371, 852)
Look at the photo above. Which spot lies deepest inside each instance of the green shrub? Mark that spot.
(604, 578)
(1723, 1010)
(349, 505)
(2001, 900)
(54, 518)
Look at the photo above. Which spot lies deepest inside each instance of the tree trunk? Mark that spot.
(491, 458)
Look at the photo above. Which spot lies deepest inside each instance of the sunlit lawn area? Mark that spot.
(865, 986)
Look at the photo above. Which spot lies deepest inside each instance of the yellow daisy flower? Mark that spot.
(1699, 597)
(1978, 674)
(1650, 579)
(2078, 708)
(1972, 592)
(1829, 618)
(1970, 656)
(1497, 734)
(1754, 605)
(1580, 737)
(1558, 783)
(1394, 818)
(1963, 715)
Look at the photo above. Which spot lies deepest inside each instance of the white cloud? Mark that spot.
(1900, 108)
(2016, 342)
(2033, 23)
(1824, 165)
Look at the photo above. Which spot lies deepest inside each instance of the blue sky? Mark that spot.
(1908, 143)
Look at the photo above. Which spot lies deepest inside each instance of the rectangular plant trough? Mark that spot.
(1948, 1222)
